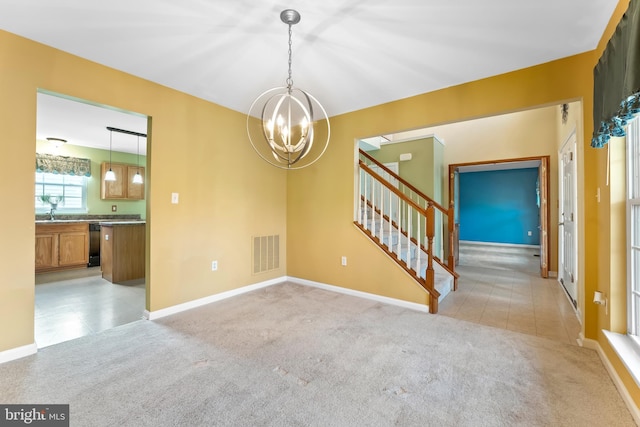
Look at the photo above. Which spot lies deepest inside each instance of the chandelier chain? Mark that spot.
(289, 78)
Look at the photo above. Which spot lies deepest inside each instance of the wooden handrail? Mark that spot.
(403, 181)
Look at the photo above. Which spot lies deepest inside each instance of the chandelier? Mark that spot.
(287, 126)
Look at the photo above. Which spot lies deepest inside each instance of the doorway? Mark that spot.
(79, 302)
(541, 164)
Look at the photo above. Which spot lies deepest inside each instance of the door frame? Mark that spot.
(545, 212)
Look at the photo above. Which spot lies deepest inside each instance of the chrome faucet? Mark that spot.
(53, 205)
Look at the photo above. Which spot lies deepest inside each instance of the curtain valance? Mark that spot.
(616, 89)
(63, 165)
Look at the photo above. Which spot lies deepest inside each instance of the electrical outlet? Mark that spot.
(214, 265)
(344, 260)
(174, 198)
(114, 208)
(529, 233)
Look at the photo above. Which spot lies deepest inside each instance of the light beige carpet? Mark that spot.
(290, 355)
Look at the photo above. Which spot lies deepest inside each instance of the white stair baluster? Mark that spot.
(409, 235)
(399, 228)
(360, 213)
(373, 206)
(382, 188)
(365, 215)
(390, 245)
(418, 252)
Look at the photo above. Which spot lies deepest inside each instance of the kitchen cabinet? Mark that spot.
(123, 187)
(122, 251)
(61, 246)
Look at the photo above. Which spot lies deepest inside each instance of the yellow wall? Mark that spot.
(197, 149)
(320, 205)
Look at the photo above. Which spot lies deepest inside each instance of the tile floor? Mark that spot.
(506, 291)
(76, 303)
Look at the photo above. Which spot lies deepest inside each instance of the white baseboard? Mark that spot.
(18, 352)
(157, 314)
(360, 294)
(508, 245)
(626, 397)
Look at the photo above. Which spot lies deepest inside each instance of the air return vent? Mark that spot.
(266, 253)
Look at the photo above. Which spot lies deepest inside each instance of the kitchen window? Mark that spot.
(72, 188)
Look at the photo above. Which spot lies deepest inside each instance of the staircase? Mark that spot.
(405, 224)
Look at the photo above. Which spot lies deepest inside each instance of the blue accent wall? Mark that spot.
(499, 206)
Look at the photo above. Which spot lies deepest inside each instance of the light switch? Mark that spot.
(174, 198)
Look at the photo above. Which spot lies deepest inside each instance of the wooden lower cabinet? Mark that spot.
(122, 251)
(61, 246)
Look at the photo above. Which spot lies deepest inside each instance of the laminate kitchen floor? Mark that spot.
(72, 304)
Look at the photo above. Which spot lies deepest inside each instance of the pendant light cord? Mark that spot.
(138, 157)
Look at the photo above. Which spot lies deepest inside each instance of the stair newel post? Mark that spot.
(452, 259)
(430, 276)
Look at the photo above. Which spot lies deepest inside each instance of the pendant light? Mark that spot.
(137, 178)
(110, 175)
(287, 126)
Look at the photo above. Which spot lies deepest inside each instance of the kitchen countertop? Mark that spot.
(87, 218)
(90, 221)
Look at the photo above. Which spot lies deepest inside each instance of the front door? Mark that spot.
(567, 231)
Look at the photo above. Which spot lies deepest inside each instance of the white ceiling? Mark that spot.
(350, 54)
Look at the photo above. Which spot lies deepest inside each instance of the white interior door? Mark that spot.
(567, 230)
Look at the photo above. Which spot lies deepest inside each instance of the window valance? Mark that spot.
(616, 89)
(63, 165)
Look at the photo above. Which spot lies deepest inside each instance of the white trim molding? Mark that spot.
(18, 352)
(157, 314)
(624, 393)
(379, 298)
